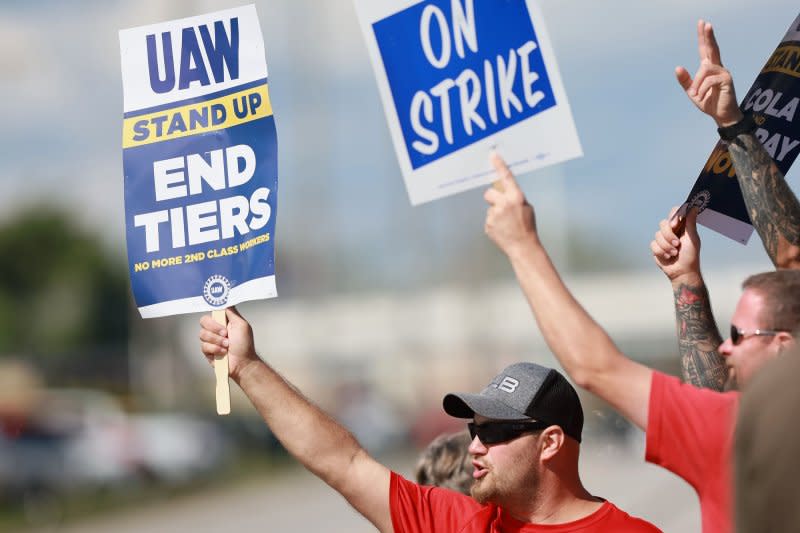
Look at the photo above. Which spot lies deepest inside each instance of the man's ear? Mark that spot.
(551, 440)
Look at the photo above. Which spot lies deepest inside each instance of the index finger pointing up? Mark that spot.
(504, 174)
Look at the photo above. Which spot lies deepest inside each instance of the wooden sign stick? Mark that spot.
(221, 371)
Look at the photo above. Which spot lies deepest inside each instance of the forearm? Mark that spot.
(583, 348)
(771, 204)
(307, 432)
(580, 345)
(698, 336)
(320, 443)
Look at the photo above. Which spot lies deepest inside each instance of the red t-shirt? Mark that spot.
(690, 432)
(435, 510)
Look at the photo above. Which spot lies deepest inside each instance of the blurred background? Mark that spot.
(107, 421)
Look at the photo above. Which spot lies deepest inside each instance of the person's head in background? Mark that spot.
(446, 462)
(766, 462)
(764, 322)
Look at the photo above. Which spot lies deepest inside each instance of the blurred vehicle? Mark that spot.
(81, 439)
(176, 448)
(99, 450)
(31, 460)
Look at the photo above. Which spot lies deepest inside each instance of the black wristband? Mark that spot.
(746, 125)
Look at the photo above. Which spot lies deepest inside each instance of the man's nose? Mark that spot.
(725, 348)
(476, 447)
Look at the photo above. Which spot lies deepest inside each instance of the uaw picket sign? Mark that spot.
(459, 78)
(199, 153)
(200, 163)
(773, 99)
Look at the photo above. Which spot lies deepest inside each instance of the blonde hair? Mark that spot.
(446, 463)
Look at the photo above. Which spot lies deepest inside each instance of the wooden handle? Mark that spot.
(221, 371)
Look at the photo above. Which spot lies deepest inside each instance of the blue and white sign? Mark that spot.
(200, 163)
(459, 78)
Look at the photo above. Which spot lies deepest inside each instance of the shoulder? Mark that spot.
(685, 418)
(434, 507)
(619, 520)
(669, 392)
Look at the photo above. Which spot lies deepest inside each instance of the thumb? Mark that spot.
(233, 314)
(671, 217)
(683, 77)
(691, 223)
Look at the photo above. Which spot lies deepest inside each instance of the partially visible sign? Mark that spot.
(200, 163)
(773, 99)
(461, 77)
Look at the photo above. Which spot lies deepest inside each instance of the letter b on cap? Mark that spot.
(508, 384)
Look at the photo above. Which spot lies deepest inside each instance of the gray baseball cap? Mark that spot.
(523, 391)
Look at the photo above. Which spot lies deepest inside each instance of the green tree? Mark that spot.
(63, 298)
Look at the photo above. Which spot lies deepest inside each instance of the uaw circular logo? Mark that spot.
(216, 290)
(700, 200)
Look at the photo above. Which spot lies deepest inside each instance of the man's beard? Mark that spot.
(491, 489)
(482, 491)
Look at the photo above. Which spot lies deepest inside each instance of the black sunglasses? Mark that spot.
(738, 335)
(497, 432)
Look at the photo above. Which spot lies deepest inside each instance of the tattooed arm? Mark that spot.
(698, 336)
(771, 204)
(773, 208)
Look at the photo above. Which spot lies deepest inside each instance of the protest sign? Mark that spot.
(459, 78)
(773, 99)
(200, 163)
(199, 153)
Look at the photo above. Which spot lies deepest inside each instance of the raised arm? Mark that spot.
(698, 336)
(583, 348)
(771, 204)
(315, 439)
(773, 208)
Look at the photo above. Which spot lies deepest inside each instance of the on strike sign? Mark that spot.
(461, 77)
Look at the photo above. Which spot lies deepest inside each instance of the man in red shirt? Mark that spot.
(526, 435)
(689, 430)
(526, 432)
